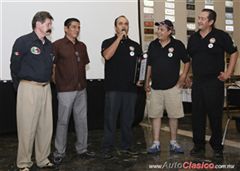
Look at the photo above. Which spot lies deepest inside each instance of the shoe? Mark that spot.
(197, 151)
(107, 154)
(176, 148)
(49, 165)
(129, 151)
(57, 160)
(87, 155)
(153, 149)
(24, 169)
(218, 154)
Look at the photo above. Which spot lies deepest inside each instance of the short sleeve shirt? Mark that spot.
(120, 69)
(71, 60)
(208, 53)
(165, 63)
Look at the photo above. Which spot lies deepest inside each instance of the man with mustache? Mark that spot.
(31, 69)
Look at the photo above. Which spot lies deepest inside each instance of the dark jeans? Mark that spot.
(207, 98)
(116, 103)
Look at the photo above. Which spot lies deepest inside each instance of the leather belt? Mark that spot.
(36, 83)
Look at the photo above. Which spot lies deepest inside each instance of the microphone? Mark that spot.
(124, 36)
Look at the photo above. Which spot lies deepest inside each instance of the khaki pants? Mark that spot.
(34, 123)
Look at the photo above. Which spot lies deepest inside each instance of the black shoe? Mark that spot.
(129, 151)
(87, 155)
(197, 151)
(107, 154)
(218, 154)
(57, 160)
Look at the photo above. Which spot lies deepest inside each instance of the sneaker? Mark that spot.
(24, 169)
(197, 151)
(153, 149)
(87, 155)
(49, 165)
(107, 154)
(176, 148)
(129, 151)
(57, 160)
(218, 154)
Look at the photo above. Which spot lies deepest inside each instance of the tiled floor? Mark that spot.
(141, 162)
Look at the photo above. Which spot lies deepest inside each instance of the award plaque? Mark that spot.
(141, 68)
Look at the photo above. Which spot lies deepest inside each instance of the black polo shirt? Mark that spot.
(31, 59)
(120, 69)
(208, 53)
(165, 63)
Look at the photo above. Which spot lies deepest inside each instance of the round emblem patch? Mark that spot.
(35, 50)
(210, 45)
(170, 55)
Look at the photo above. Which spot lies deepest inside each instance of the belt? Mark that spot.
(36, 83)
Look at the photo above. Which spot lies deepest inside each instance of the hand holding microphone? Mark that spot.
(124, 34)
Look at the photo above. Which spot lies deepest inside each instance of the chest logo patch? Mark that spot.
(170, 52)
(17, 53)
(35, 50)
(211, 42)
(131, 48)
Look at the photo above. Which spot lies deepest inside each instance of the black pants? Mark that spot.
(207, 99)
(116, 103)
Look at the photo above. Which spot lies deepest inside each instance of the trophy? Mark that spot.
(141, 68)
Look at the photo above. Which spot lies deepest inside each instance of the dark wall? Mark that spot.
(7, 108)
(95, 91)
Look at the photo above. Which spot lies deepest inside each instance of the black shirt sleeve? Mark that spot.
(15, 61)
(229, 46)
(149, 60)
(189, 47)
(183, 53)
(105, 45)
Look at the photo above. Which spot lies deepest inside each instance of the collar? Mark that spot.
(115, 37)
(34, 37)
(172, 39)
(66, 40)
(210, 33)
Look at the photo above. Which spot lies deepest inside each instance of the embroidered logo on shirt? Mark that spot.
(145, 55)
(131, 48)
(212, 41)
(17, 53)
(170, 52)
(35, 50)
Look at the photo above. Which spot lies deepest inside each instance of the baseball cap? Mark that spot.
(167, 23)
